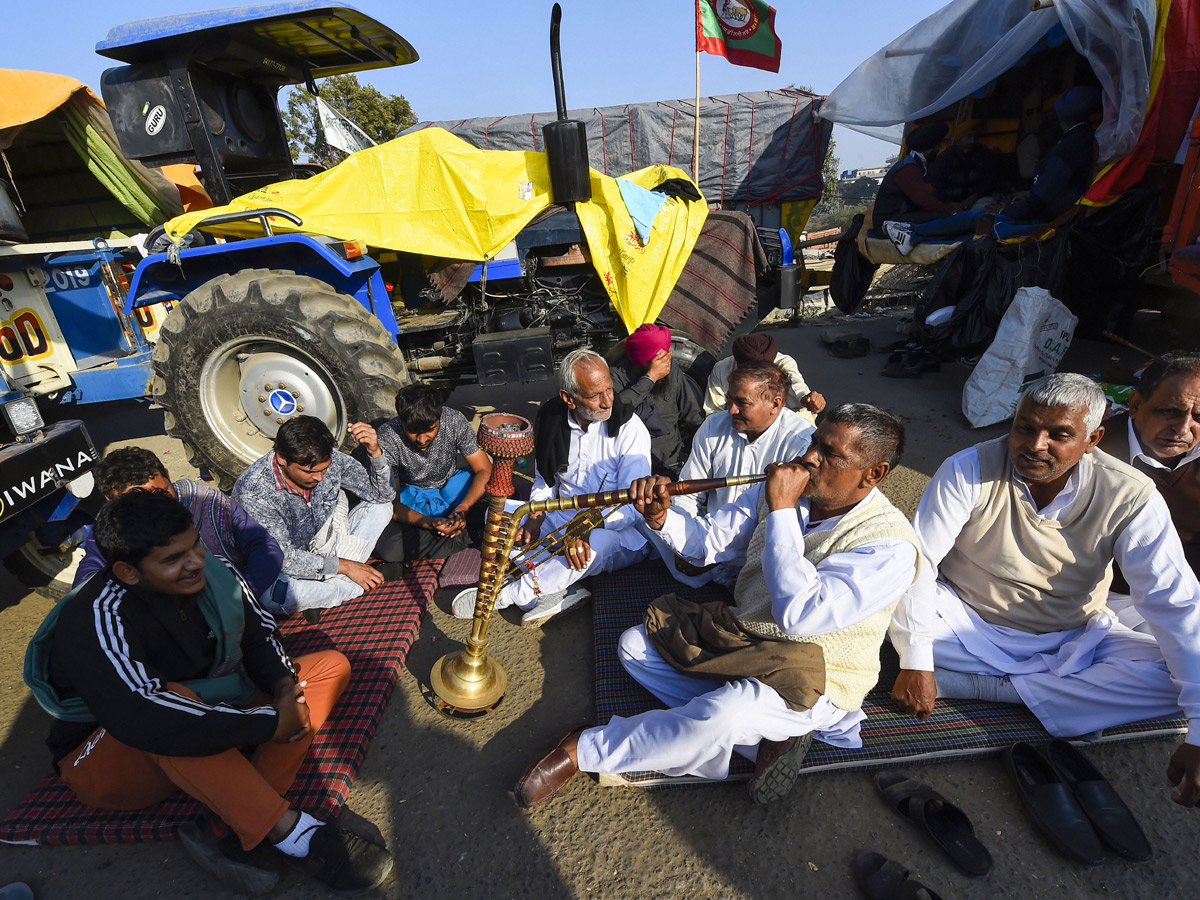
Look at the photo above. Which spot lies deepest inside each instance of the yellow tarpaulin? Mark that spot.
(433, 194)
(639, 278)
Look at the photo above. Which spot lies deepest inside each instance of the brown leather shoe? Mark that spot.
(546, 777)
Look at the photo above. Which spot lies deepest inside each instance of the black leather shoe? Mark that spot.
(548, 775)
(1052, 806)
(1110, 817)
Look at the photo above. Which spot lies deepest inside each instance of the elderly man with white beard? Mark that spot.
(587, 441)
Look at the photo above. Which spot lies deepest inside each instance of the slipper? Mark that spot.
(879, 878)
(1114, 824)
(946, 824)
(1051, 805)
(847, 349)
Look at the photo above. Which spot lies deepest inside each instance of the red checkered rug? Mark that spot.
(461, 568)
(375, 632)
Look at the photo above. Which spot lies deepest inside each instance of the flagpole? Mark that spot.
(696, 126)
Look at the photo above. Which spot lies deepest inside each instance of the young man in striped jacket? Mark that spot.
(161, 670)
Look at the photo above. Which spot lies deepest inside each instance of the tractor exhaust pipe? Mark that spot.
(566, 139)
(560, 94)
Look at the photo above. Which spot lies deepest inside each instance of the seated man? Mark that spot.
(299, 494)
(1020, 533)
(422, 445)
(1063, 175)
(905, 196)
(148, 702)
(761, 348)
(755, 431)
(645, 376)
(587, 441)
(1160, 437)
(223, 525)
(826, 558)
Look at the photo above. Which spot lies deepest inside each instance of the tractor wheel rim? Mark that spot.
(251, 385)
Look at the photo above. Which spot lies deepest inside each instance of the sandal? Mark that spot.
(946, 824)
(879, 878)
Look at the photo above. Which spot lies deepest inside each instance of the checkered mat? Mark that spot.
(957, 728)
(375, 632)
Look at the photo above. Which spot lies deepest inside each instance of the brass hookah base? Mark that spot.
(470, 683)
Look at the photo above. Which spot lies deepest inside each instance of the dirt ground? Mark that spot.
(440, 790)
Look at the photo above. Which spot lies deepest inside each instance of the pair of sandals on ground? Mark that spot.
(1063, 792)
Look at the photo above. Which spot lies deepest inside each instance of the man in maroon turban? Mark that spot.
(666, 399)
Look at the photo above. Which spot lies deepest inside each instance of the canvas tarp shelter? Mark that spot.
(967, 44)
(1145, 55)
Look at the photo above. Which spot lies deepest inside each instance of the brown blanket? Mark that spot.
(707, 640)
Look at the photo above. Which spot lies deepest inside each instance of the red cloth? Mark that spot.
(646, 341)
(1170, 114)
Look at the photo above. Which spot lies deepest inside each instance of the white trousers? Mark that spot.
(703, 727)
(365, 524)
(722, 573)
(555, 575)
(1075, 682)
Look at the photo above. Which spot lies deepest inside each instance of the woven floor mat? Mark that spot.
(957, 728)
(375, 632)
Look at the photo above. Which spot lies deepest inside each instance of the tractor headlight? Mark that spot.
(22, 416)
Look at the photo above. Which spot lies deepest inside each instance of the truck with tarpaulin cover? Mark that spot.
(70, 207)
(422, 255)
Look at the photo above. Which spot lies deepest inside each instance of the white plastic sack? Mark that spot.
(1033, 337)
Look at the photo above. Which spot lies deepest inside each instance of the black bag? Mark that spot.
(852, 272)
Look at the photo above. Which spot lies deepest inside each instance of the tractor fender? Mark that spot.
(157, 279)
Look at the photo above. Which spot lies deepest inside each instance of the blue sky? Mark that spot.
(482, 57)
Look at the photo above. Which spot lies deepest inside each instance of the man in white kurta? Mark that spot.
(773, 529)
(599, 456)
(753, 431)
(1034, 636)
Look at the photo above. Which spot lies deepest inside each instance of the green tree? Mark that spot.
(830, 170)
(381, 117)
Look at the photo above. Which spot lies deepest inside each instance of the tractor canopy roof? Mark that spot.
(288, 43)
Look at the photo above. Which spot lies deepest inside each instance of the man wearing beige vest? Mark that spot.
(826, 558)
(1021, 533)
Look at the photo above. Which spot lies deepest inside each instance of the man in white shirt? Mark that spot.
(587, 441)
(755, 429)
(1021, 533)
(1160, 437)
(759, 347)
(826, 559)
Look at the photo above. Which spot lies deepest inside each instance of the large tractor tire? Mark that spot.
(243, 353)
(41, 569)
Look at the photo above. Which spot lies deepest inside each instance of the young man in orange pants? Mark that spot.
(162, 670)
